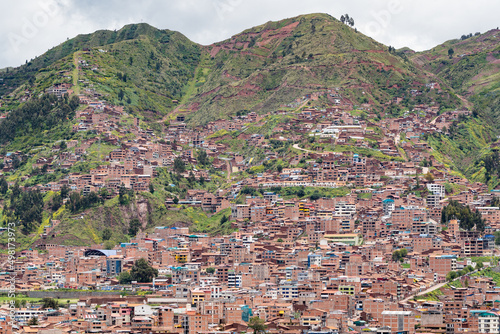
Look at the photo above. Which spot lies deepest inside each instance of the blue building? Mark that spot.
(113, 266)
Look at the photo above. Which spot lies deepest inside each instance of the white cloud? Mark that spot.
(25, 31)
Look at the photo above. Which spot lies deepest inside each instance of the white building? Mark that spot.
(233, 280)
(436, 189)
(143, 310)
(23, 315)
(343, 209)
(488, 322)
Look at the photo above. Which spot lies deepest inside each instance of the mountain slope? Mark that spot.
(307, 61)
(471, 65)
(271, 65)
(151, 67)
(261, 69)
(474, 64)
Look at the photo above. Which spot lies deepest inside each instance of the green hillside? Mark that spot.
(261, 69)
(139, 67)
(271, 65)
(471, 66)
(306, 61)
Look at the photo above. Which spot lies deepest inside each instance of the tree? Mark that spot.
(106, 234)
(203, 158)
(223, 219)
(108, 244)
(347, 20)
(27, 208)
(142, 272)
(103, 193)
(151, 188)
(133, 227)
(175, 200)
(429, 177)
(179, 166)
(468, 219)
(45, 168)
(124, 277)
(279, 168)
(451, 276)
(257, 324)
(4, 186)
(451, 52)
(64, 191)
(210, 270)
(395, 255)
(122, 195)
(315, 196)
(191, 178)
(62, 145)
(120, 95)
(301, 193)
(33, 321)
(50, 303)
(16, 162)
(399, 255)
(497, 240)
(57, 202)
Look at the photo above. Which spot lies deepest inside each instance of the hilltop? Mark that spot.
(269, 66)
(138, 65)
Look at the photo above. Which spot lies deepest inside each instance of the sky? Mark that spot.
(28, 28)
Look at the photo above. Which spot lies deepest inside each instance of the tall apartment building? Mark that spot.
(399, 321)
(443, 264)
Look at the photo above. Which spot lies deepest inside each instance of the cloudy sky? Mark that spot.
(28, 28)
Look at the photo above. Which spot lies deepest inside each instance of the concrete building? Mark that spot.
(436, 189)
(399, 321)
(442, 264)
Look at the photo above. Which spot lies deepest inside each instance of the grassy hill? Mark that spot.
(474, 65)
(471, 66)
(261, 69)
(139, 67)
(271, 65)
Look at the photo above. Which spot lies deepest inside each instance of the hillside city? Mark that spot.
(321, 216)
